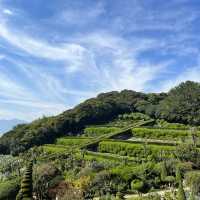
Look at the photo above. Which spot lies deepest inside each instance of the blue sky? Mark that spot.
(55, 54)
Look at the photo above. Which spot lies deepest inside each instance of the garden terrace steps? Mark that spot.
(161, 133)
(128, 130)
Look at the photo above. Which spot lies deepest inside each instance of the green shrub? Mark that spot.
(98, 131)
(9, 189)
(181, 192)
(137, 185)
(193, 181)
(71, 141)
(164, 124)
(108, 158)
(134, 116)
(154, 133)
(52, 148)
(134, 149)
(26, 184)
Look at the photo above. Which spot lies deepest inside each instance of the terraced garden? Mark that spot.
(137, 158)
(162, 133)
(131, 146)
(132, 141)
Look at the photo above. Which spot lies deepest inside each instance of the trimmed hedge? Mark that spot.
(109, 157)
(147, 141)
(72, 141)
(26, 184)
(98, 131)
(155, 133)
(134, 150)
(164, 124)
(52, 148)
(121, 132)
(134, 116)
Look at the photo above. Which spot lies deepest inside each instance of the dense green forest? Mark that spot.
(119, 145)
(181, 104)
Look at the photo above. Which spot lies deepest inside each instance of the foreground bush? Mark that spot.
(46, 177)
(193, 181)
(9, 189)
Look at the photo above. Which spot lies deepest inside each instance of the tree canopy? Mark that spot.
(181, 104)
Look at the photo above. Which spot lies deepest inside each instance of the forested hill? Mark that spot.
(181, 104)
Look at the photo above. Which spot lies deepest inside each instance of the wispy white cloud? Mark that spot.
(40, 48)
(16, 97)
(79, 15)
(172, 16)
(7, 11)
(120, 67)
(74, 53)
(58, 75)
(192, 74)
(43, 93)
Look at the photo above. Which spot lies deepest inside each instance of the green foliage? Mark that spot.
(26, 184)
(193, 181)
(98, 131)
(161, 123)
(181, 192)
(163, 173)
(119, 166)
(192, 196)
(52, 148)
(135, 150)
(45, 176)
(134, 116)
(188, 153)
(19, 195)
(182, 104)
(178, 175)
(9, 189)
(160, 133)
(129, 119)
(137, 185)
(98, 110)
(102, 157)
(10, 166)
(119, 196)
(72, 141)
(126, 132)
(149, 197)
(144, 172)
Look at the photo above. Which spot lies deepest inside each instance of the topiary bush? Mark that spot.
(25, 192)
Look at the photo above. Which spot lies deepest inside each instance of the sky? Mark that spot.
(55, 54)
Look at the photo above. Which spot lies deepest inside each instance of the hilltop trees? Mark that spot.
(93, 111)
(181, 104)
